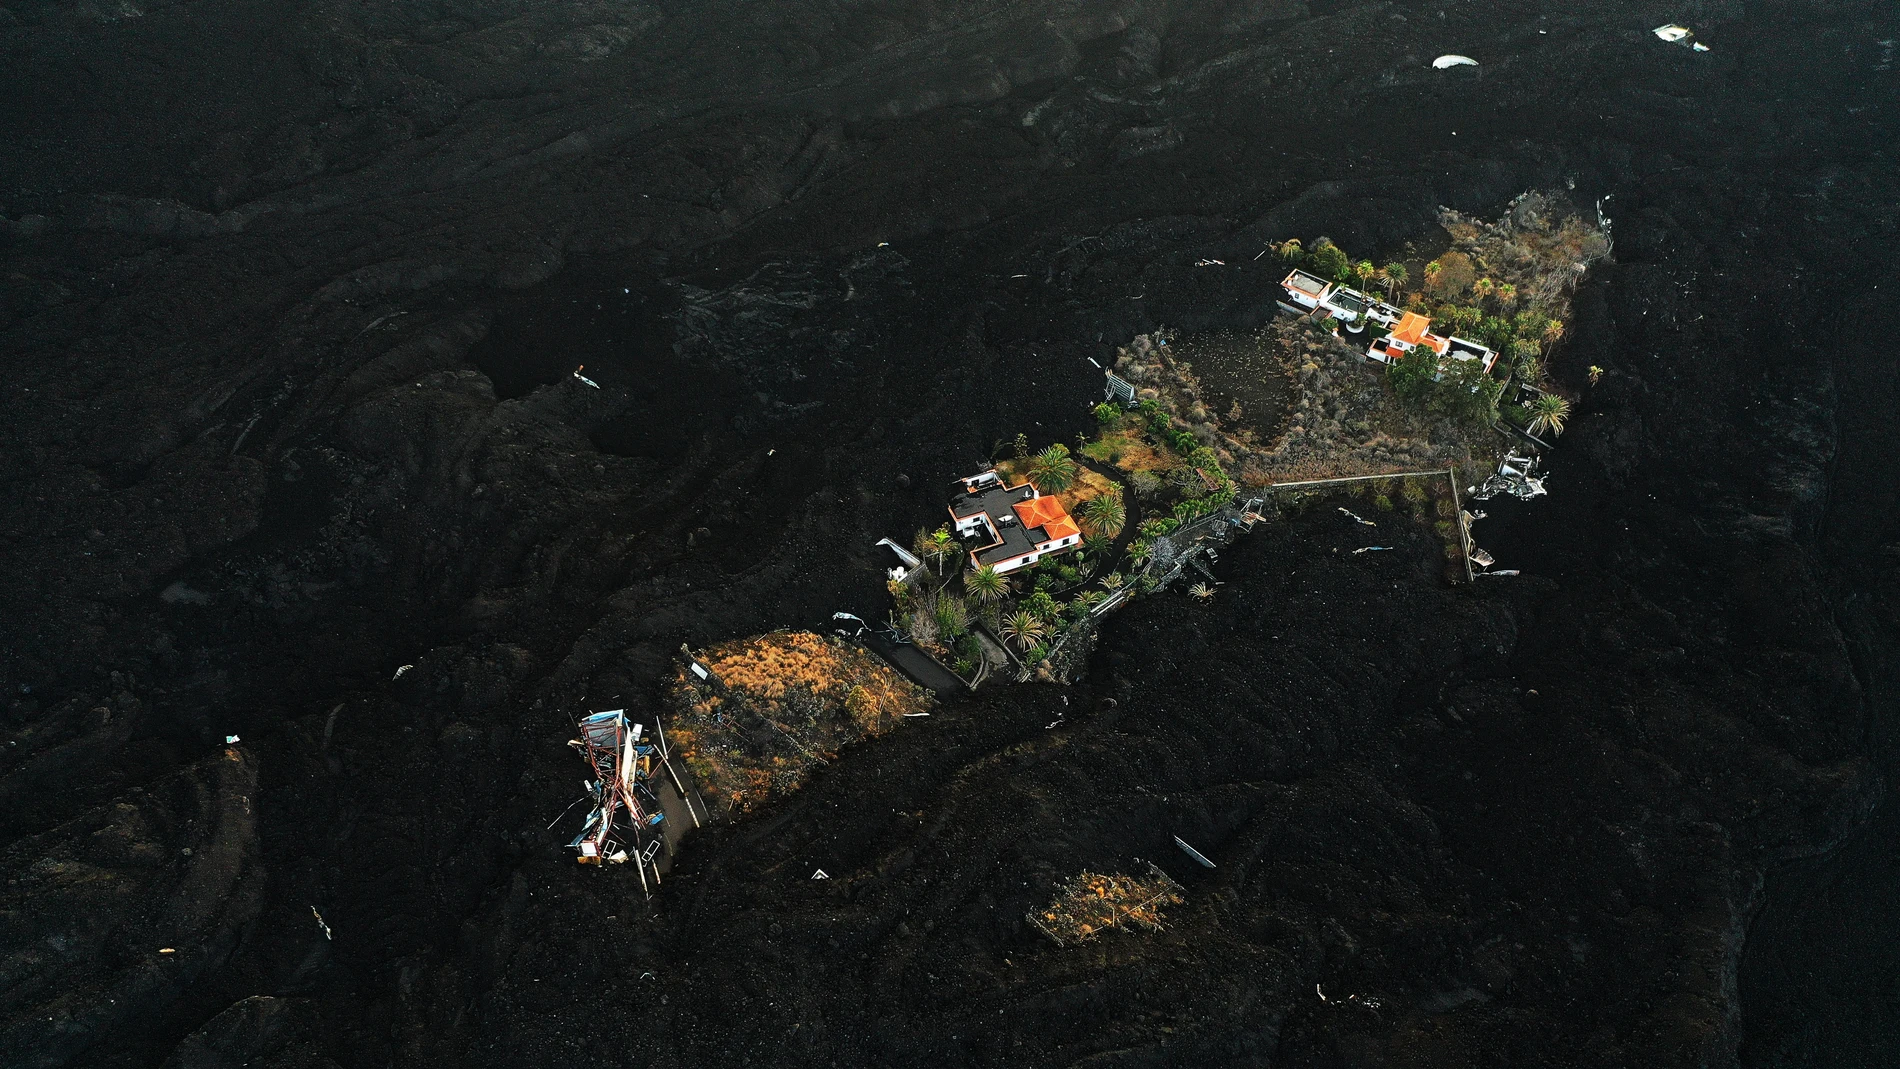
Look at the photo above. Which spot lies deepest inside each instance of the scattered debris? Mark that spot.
(1193, 853)
(320, 922)
(1482, 559)
(1202, 591)
(230, 740)
(820, 875)
(1497, 573)
(1357, 518)
(168, 950)
(1445, 61)
(1321, 994)
(1680, 35)
(1210, 263)
(1513, 477)
(400, 671)
(1370, 549)
(909, 564)
(916, 714)
(623, 763)
(584, 379)
(1090, 903)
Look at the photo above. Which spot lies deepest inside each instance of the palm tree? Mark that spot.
(1596, 374)
(1483, 288)
(1053, 470)
(1023, 628)
(1363, 272)
(1202, 591)
(1395, 276)
(1548, 411)
(986, 585)
(1506, 294)
(1432, 271)
(1553, 330)
(1104, 514)
(1113, 581)
(1289, 249)
(934, 547)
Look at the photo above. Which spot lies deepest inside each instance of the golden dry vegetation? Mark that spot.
(779, 705)
(1090, 903)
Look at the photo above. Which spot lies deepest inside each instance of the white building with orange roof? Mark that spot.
(1413, 331)
(1010, 527)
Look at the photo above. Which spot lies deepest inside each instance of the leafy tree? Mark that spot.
(1053, 470)
(1042, 605)
(1466, 393)
(1494, 332)
(986, 584)
(1412, 376)
(1328, 260)
(1548, 412)
(1524, 349)
(1104, 514)
(1023, 629)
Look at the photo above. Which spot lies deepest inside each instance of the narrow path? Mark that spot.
(915, 665)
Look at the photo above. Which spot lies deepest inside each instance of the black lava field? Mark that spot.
(290, 294)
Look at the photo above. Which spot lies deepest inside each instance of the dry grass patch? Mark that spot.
(1090, 903)
(777, 706)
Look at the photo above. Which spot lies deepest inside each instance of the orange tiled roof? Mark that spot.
(1411, 328)
(1041, 512)
(1061, 528)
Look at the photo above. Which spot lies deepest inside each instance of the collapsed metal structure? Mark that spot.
(626, 820)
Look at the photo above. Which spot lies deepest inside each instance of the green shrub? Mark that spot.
(1412, 377)
(1068, 574)
(1382, 503)
(1328, 260)
(1042, 605)
(1107, 414)
(1443, 527)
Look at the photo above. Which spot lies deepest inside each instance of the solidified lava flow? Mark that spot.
(389, 385)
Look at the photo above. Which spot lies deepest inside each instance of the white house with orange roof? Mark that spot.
(1414, 331)
(1010, 527)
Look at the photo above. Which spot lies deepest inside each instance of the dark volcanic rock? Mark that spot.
(291, 296)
